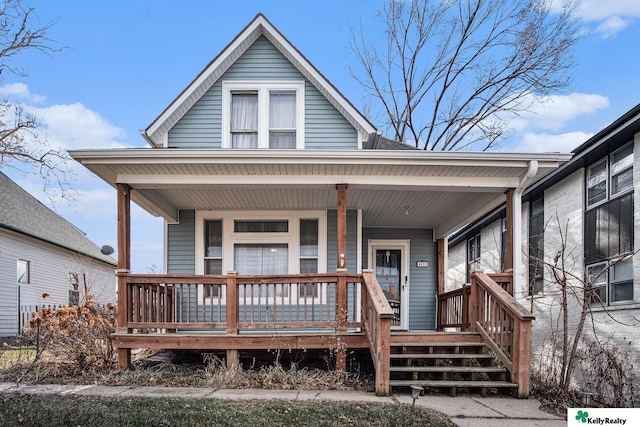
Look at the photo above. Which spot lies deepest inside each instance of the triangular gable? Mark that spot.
(156, 133)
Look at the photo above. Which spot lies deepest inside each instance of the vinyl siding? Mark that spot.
(352, 240)
(49, 268)
(181, 251)
(201, 126)
(423, 284)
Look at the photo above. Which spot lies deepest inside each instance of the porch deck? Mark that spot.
(338, 311)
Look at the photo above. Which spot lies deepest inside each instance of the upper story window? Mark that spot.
(609, 227)
(263, 115)
(610, 176)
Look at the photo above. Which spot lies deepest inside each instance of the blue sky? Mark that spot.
(125, 61)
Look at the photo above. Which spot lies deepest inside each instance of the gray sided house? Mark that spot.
(286, 209)
(591, 199)
(42, 253)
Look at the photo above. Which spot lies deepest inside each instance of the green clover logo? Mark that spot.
(582, 416)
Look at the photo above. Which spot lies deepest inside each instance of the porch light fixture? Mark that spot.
(586, 397)
(406, 210)
(416, 389)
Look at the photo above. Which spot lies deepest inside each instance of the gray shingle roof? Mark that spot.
(23, 213)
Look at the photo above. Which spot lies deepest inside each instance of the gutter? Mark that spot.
(532, 170)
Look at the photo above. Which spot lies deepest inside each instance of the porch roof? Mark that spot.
(415, 189)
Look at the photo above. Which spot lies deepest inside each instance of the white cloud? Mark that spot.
(611, 26)
(610, 16)
(552, 113)
(606, 17)
(20, 91)
(548, 143)
(75, 126)
(599, 10)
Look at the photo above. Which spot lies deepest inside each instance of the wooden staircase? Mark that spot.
(452, 366)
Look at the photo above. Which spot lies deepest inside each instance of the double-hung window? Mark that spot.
(609, 228)
(263, 115)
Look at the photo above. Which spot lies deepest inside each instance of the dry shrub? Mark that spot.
(78, 335)
(276, 376)
(608, 371)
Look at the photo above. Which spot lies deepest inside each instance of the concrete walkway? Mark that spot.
(464, 411)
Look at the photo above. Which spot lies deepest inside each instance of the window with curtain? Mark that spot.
(260, 259)
(282, 119)
(244, 120)
(263, 115)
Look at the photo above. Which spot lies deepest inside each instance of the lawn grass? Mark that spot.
(12, 356)
(55, 410)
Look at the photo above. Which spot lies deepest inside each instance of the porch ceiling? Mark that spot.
(439, 190)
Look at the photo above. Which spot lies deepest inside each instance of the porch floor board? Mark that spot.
(263, 341)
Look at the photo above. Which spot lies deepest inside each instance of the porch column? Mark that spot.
(341, 291)
(508, 256)
(514, 198)
(124, 267)
(443, 254)
(342, 226)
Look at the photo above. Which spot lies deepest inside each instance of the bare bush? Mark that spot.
(608, 372)
(78, 335)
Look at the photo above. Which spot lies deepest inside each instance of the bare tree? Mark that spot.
(449, 70)
(578, 294)
(20, 140)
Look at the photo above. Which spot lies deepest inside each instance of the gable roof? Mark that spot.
(158, 130)
(24, 214)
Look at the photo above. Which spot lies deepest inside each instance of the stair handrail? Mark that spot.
(505, 325)
(376, 321)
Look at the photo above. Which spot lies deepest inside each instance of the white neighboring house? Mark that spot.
(592, 197)
(41, 252)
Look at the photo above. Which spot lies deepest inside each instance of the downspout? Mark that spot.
(532, 170)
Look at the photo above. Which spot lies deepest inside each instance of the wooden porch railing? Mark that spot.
(377, 315)
(453, 309)
(232, 302)
(505, 325)
(232, 305)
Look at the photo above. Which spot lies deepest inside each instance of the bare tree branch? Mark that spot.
(449, 70)
(21, 141)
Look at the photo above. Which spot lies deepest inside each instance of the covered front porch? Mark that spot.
(376, 197)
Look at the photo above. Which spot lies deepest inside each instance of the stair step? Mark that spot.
(452, 383)
(441, 356)
(489, 369)
(439, 344)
